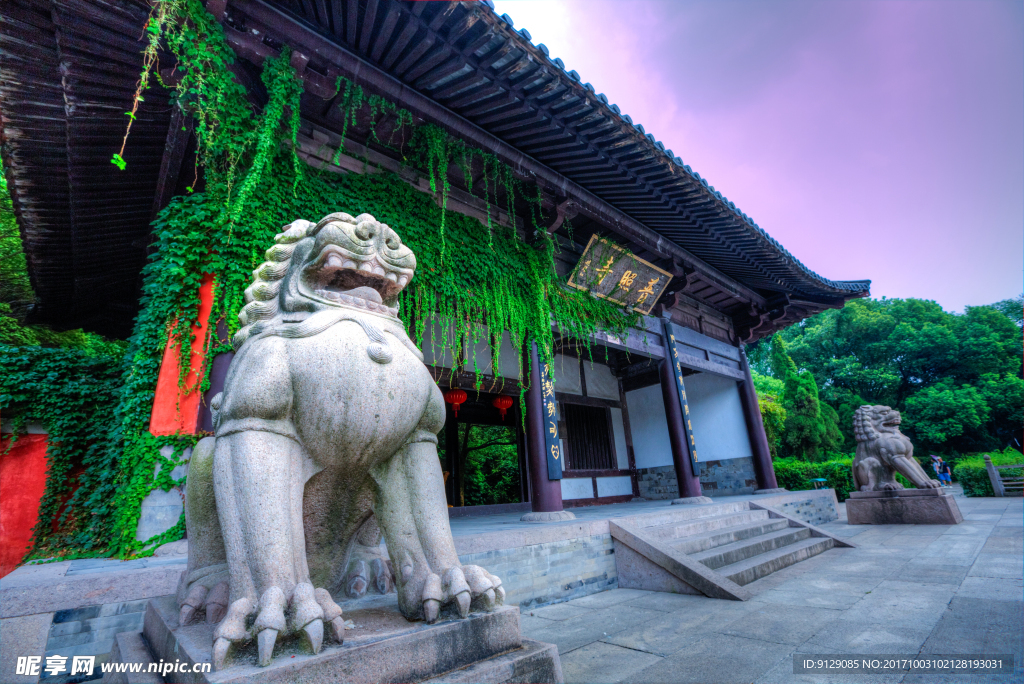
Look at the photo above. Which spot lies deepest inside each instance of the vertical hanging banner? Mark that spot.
(670, 338)
(551, 445)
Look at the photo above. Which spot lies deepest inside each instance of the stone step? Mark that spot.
(755, 546)
(750, 569)
(709, 540)
(676, 514)
(690, 528)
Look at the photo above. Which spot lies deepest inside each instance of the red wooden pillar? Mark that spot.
(689, 481)
(762, 455)
(546, 502)
(176, 410)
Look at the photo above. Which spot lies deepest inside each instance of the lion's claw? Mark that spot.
(356, 584)
(382, 577)
(462, 601)
(266, 640)
(338, 629)
(217, 603)
(221, 649)
(314, 635)
(431, 610)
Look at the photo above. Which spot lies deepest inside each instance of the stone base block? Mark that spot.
(693, 500)
(775, 490)
(903, 507)
(383, 648)
(549, 516)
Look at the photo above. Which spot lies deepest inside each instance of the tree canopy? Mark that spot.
(956, 378)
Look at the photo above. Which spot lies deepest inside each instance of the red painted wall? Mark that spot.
(22, 481)
(176, 412)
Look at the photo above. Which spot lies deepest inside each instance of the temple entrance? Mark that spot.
(482, 454)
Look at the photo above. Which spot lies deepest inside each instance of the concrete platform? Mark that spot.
(382, 648)
(76, 607)
(903, 507)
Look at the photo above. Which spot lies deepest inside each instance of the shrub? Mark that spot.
(796, 475)
(970, 470)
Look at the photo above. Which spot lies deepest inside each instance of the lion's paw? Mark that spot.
(305, 614)
(364, 573)
(465, 588)
(213, 602)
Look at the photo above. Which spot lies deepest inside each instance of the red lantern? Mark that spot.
(456, 398)
(502, 403)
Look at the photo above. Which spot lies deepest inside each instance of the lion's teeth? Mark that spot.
(378, 269)
(402, 281)
(349, 264)
(334, 261)
(392, 277)
(366, 267)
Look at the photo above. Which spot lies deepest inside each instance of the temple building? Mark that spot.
(662, 411)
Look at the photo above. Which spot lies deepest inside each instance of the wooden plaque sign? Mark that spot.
(614, 273)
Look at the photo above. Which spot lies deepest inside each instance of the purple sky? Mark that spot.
(874, 139)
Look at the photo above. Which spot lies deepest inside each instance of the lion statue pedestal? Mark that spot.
(325, 444)
(883, 451)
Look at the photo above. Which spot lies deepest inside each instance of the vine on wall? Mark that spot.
(473, 277)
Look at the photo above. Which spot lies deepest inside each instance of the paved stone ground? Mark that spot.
(921, 589)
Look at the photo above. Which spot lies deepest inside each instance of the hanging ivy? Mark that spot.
(473, 280)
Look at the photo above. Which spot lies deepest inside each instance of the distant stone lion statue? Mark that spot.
(883, 451)
(325, 440)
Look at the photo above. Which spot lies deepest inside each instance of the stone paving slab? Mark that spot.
(602, 662)
(904, 590)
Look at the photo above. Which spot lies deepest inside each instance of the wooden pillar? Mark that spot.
(451, 454)
(218, 374)
(546, 493)
(689, 483)
(176, 410)
(762, 455)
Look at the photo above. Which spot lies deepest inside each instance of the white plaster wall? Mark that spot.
(717, 417)
(600, 381)
(508, 361)
(577, 488)
(435, 352)
(648, 427)
(619, 432)
(614, 486)
(567, 375)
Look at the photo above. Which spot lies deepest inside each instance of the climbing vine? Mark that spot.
(471, 279)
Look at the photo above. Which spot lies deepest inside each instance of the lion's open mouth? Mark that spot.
(367, 283)
(892, 422)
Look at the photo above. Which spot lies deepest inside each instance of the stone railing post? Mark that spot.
(993, 475)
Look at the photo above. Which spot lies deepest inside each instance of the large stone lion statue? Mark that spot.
(883, 451)
(325, 441)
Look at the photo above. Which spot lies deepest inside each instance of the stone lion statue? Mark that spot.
(883, 451)
(325, 441)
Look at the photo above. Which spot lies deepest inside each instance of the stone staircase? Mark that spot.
(712, 549)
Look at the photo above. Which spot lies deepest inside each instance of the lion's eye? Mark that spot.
(393, 242)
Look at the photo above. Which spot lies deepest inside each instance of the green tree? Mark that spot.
(956, 377)
(1012, 309)
(773, 414)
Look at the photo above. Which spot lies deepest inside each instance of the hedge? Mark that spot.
(970, 471)
(796, 475)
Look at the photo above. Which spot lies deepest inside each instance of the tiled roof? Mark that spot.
(478, 65)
